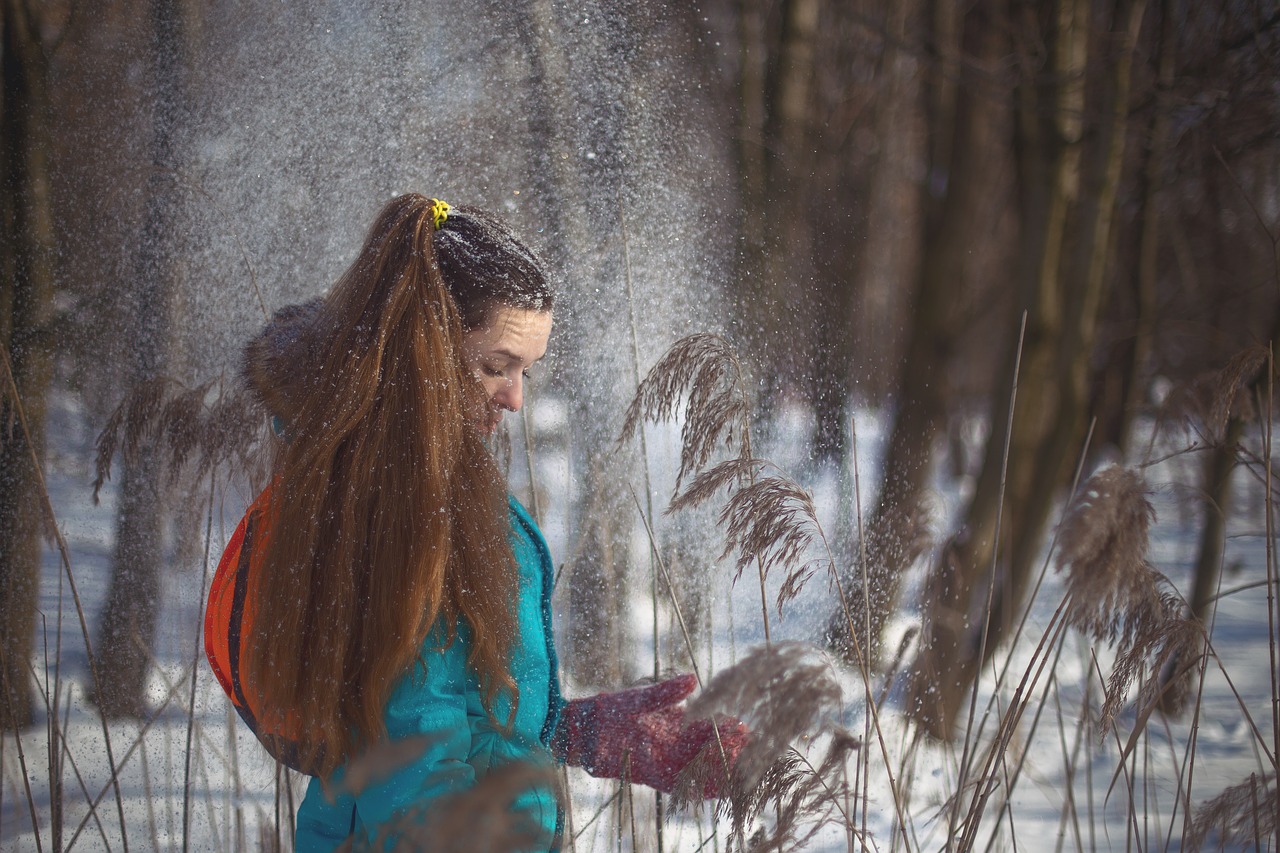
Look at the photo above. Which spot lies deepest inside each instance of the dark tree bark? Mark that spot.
(962, 121)
(776, 43)
(1119, 388)
(128, 619)
(26, 314)
(1218, 466)
(1069, 184)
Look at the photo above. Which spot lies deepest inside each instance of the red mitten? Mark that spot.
(641, 734)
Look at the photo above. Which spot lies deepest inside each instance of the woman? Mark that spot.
(390, 590)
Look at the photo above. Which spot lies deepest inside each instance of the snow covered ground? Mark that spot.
(195, 779)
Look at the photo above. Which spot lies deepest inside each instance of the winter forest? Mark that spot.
(912, 383)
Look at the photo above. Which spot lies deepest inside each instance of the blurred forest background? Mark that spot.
(885, 206)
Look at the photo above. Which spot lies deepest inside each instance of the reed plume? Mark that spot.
(1103, 554)
(1243, 815)
(768, 520)
(785, 693)
(805, 798)
(1231, 383)
(1205, 404)
(705, 368)
(1114, 594)
(207, 425)
(787, 696)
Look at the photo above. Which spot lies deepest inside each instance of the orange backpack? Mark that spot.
(228, 618)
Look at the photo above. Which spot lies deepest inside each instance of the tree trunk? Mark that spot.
(888, 263)
(1067, 246)
(1083, 289)
(962, 122)
(1217, 494)
(26, 310)
(774, 105)
(128, 619)
(599, 605)
(753, 53)
(836, 283)
(578, 110)
(1119, 389)
(946, 662)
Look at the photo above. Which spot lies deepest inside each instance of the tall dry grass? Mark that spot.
(1121, 621)
(1107, 676)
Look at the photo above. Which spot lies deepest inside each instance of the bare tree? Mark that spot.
(127, 622)
(966, 108)
(26, 320)
(1072, 122)
(773, 89)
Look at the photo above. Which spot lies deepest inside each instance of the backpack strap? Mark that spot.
(235, 625)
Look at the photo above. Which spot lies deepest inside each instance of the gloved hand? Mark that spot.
(641, 734)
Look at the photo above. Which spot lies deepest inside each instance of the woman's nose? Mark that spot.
(510, 395)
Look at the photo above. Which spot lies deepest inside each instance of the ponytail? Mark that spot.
(388, 514)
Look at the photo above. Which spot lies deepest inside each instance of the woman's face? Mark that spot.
(500, 351)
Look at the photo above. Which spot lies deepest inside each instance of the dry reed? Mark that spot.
(768, 520)
(705, 368)
(785, 693)
(1114, 595)
(207, 425)
(806, 799)
(1243, 815)
(1204, 405)
(779, 800)
(1103, 553)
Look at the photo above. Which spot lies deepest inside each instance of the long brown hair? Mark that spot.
(388, 513)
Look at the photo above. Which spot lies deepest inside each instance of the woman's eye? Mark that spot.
(525, 373)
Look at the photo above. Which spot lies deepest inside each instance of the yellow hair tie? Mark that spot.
(439, 212)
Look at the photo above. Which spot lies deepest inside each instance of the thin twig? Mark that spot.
(603, 807)
(864, 669)
(63, 552)
(52, 754)
(64, 748)
(675, 603)
(113, 782)
(148, 796)
(995, 552)
(1008, 724)
(195, 668)
(1026, 613)
(1272, 573)
(864, 757)
(648, 486)
(1124, 766)
(671, 590)
(17, 740)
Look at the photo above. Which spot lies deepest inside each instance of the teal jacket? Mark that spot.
(440, 698)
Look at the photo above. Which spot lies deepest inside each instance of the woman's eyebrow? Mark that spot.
(510, 356)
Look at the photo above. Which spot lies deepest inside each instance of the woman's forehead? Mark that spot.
(520, 334)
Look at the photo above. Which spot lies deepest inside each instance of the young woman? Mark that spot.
(385, 588)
